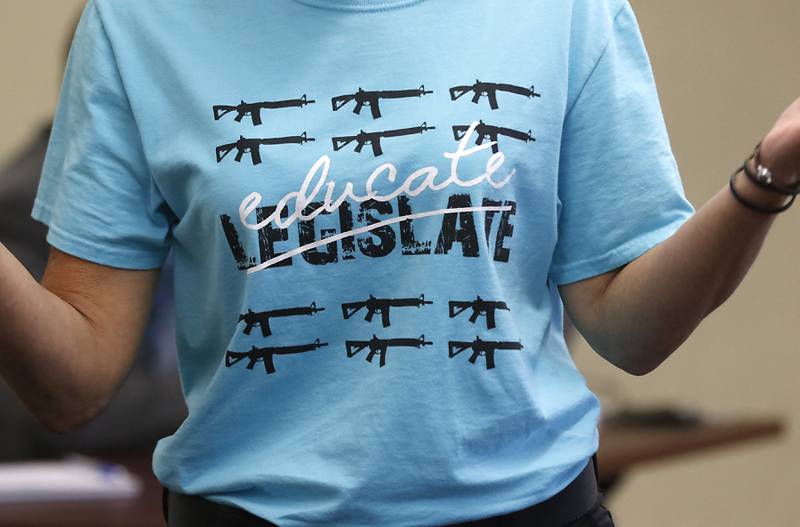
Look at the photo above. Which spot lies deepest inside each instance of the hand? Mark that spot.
(780, 149)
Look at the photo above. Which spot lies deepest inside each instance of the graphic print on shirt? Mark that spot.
(381, 305)
(372, 98)
(379, 346)
(491, 132)
(261, 318)
(265, 355)
(273, 220)
(252, 319)
(480, 347)
(490, 89)
(253, 109)
(374, 138)
(357, 213)
(505, 228)
(480, 307)
(253, 146)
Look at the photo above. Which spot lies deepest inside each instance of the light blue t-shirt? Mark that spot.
(371, 205)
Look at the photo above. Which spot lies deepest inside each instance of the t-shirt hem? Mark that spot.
(93, 252)
(499, 509)
(616, 257)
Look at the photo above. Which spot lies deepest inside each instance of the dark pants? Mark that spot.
(599, 516)
(194, 511)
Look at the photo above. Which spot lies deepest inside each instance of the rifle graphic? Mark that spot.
(481, 347)
(265, 354)
(380, 346)
(253, 146)
(253, 318)
(382, 306)
(479, 307)
(372, 98)
(487, 131)
(253, 109)
(490, 89)
(374, 138)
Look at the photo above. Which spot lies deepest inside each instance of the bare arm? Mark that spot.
(637, 315)
(68, 342)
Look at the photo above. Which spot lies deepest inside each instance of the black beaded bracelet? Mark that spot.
(753, 206)
(763, 177)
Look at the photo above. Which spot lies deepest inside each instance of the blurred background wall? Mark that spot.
(33, 38)
(725, 70)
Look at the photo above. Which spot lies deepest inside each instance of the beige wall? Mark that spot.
(725, 70)
(33, 38)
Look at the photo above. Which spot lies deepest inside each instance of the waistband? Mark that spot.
(572, 502)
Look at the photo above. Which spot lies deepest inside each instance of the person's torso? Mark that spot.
(365, 210)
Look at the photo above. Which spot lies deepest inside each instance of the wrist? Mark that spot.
(756, 194)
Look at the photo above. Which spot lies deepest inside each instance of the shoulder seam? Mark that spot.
(599, 58)
(98, 11)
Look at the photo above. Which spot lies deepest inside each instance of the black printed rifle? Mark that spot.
(245, 145)
(481, 347)
(265, 354)
(490, 132)
(490, 89)
(374, 138)
(480, 307)
(253, 109)
(372, 98)
(380, 346)
(382, 306)
(261, 318)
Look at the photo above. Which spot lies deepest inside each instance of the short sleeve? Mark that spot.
(96, 193)
(619, 189)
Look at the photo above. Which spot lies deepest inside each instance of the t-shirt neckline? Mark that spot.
(359, 5)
